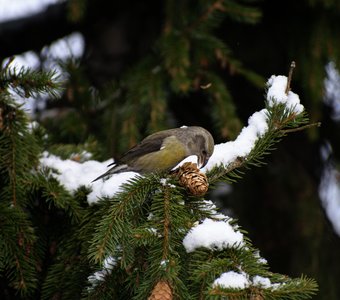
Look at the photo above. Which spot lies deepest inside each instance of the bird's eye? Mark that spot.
(204, 152)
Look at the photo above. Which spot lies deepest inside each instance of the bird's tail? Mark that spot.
(114, 170)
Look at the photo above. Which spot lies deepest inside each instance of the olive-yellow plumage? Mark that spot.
(163, 150)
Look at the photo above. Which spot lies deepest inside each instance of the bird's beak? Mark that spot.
(202, 160)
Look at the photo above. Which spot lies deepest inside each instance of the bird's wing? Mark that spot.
(150, 144)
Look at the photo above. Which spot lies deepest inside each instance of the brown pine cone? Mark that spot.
(161, 291)
(190, 177)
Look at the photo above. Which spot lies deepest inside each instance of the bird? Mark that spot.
(163, 150)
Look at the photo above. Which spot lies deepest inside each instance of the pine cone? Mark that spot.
(256, 297)
(161, 291)
(190, 177)
(256, 294)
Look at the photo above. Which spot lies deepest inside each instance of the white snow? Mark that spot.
(108, 265)
(165, 182)
(235, 280)
(263, 282)
(72, 174)
(232, 280)
(277, 94)
(214, 235)
(329, 192)
(228, 152)
(13, 9)
(164, 263)
(192, 158)
(210, 206)
(60, 50)
(72, 45)
(329, 187)
(332, 90)
(32, 125)
(260, 259)
(28, 59)
(109, 187)
(82, 156)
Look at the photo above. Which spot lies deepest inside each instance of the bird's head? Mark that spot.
(202, 145)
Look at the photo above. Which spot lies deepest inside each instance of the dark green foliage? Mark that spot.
(115, 229)
(28, 83)
(53, 244)
(17, 249)
(287, 291)
(186, 56)
(146, 223)
(18, 156)
(32, 202)
(146, 244)
(280, 121)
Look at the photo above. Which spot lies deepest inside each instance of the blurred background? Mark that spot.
(134, 67)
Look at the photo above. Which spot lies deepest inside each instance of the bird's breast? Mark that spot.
(168, 156)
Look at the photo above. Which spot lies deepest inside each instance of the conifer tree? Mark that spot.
(153, 239)
(186, 57)
(21, 250)
(194, 61)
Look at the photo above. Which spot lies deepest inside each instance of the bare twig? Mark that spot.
(317, 124)
(290, 75)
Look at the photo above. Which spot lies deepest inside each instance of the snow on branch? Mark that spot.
(258, 125)
(213, 235)
(242, 280)
(72, 174)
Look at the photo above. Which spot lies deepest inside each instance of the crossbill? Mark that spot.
(163, 150)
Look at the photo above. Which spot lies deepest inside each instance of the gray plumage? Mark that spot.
(163, 150)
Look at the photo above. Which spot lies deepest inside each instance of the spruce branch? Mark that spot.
(288, 289)
(22, 248)
(116, 228)
(18, 151)
(54, 194)
(241, 12)
(300, 288)
(233, 9)
(166, 223)
(29, 83)
(280, 122)
(17, 258)
(12, 173)
(215, 6)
